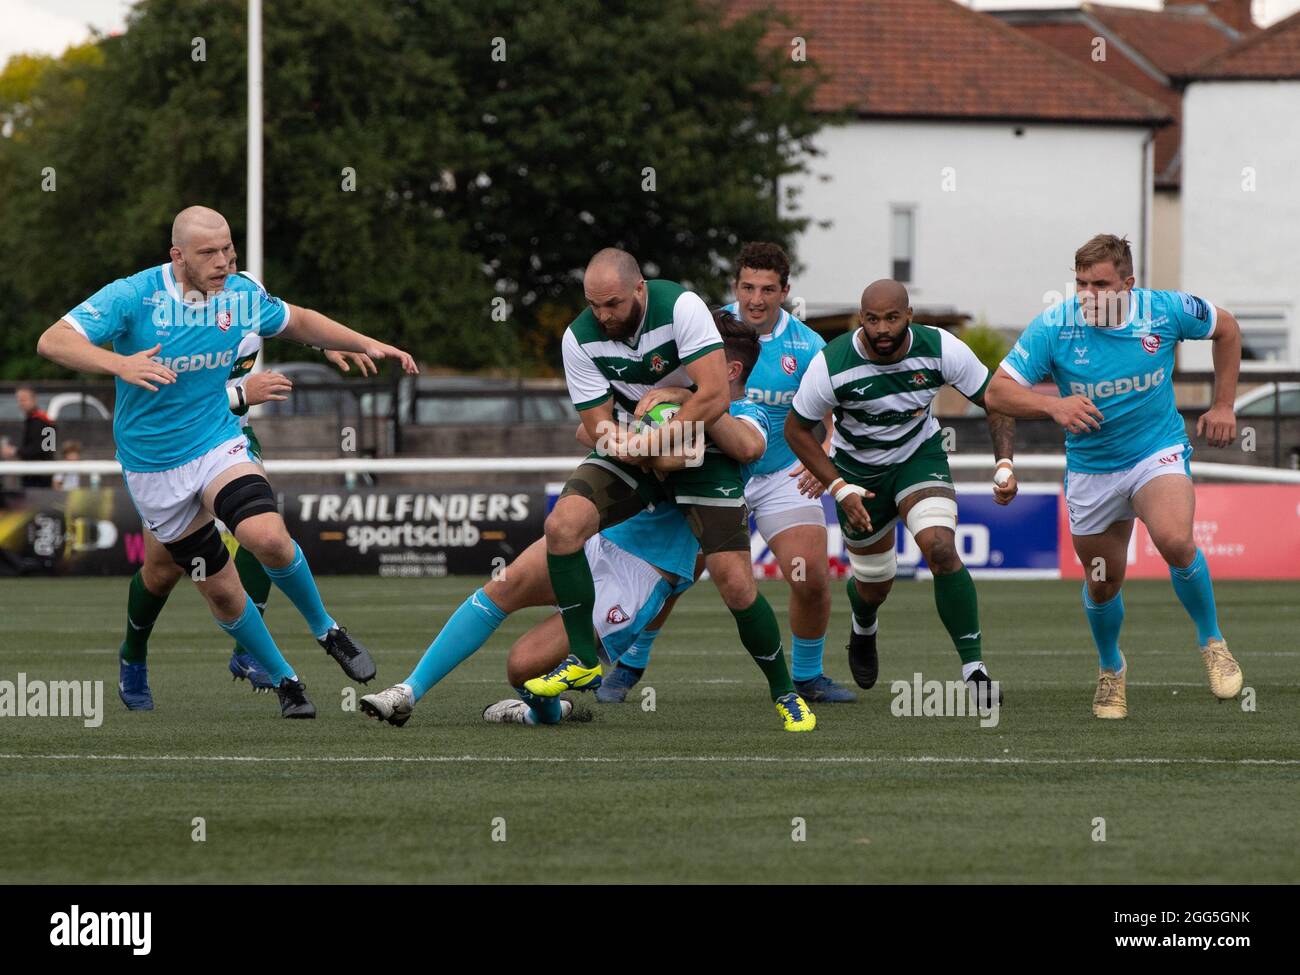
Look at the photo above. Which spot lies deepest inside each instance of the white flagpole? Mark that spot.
(254, 191)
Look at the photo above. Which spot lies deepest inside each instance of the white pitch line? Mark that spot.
(653, 759)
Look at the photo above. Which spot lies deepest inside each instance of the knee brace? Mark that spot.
(880, 567)
(204, 545)
(932, 513)
(242, 498)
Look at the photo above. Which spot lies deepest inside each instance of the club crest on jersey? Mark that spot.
(616, 615)
(789, 364)
(223, 320)
(658, 363)
(1151, 343)
(918, 379)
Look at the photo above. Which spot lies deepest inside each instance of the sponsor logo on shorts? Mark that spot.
(1151, 343)
(1171, 458)
(726, 492)
(235, 449)
(789, 364)
(616, 615)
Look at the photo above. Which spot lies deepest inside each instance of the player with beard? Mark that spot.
(633, 337)
(887, 463)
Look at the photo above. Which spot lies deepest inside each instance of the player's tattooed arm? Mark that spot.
(1218, 424)
(312, 328)
(1002, 431)
(63, 344)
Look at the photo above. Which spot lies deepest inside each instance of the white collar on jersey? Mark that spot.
(169, 280)
(861, 350)
(777, 329)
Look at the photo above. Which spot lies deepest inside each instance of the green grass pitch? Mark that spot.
(706, 787)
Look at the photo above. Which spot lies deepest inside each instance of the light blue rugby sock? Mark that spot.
(1196, 592)
(473, 623)
(541, 710)
(295, 581)
(806, 657)
(637, 656)
(1105, 619)
(251, 633)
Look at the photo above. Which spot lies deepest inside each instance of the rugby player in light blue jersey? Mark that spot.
(790, 522)
(1110, 351)
(175, 331)
(637, 565)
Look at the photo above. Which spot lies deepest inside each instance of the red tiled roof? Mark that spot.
(1076, 40)
(938, 59)
(1174, 39)
(1271, 54)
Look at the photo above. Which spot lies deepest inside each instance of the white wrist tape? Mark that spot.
(846, 489)
(1002, 476)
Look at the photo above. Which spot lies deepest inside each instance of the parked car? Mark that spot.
(1282, 398)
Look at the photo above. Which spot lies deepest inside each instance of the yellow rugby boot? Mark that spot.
(1111, 699)
(570, 675)
(795, 713)
(1223, 670)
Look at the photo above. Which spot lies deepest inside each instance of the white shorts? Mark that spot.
(776, 503)
(169, 500)
(629, 594)
(1097, 501)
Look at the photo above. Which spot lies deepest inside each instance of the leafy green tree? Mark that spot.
(422, 158)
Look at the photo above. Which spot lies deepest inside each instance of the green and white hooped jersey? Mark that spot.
(883, 410)
(676, 330)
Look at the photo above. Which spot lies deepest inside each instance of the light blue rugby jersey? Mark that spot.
(662, 537)
(784, 356)
(181, 421)
(1127, 371)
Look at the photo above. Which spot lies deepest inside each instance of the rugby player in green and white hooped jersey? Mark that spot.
(154, 581)
(887, 462)
(633, 337)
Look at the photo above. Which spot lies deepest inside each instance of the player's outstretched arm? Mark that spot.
(1076, 414)
(1218, 424)
(312, 328)
(63, 344)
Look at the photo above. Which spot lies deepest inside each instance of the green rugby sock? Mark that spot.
(761, 635)
(142, 609)
(253, 577)
(863, 612)
(575, 592)
(954, 594)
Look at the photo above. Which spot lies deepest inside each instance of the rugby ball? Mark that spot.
(657, 416)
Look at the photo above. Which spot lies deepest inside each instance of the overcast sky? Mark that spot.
(49, 26)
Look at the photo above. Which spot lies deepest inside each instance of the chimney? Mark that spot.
(1234, 13)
